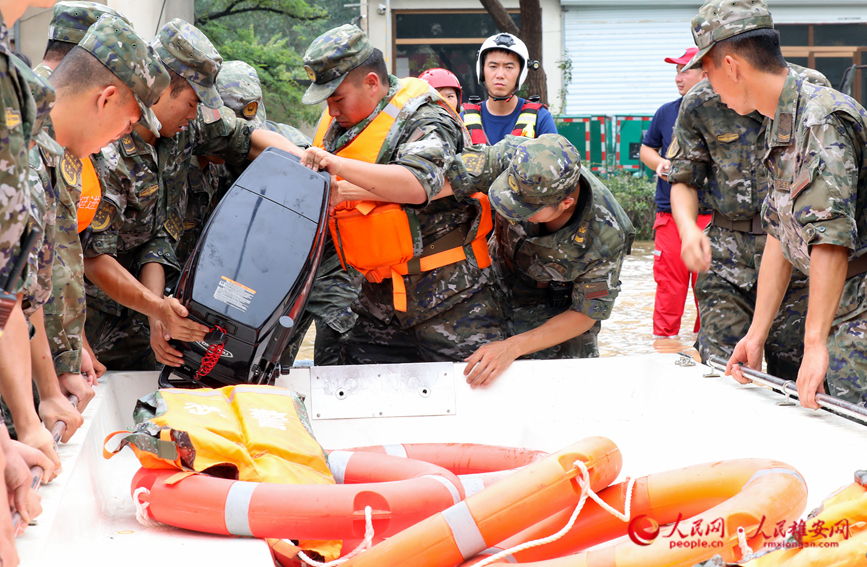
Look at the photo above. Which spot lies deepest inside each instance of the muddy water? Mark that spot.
(630, 328)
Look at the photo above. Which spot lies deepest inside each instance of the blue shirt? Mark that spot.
(498, 127)
(659, 137)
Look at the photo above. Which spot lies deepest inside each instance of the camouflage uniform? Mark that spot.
(113, 42)
(141, 216)
(43, 199)
(718, 150)
(543, 274)
(451, 310)
(15, 133)
(817, 163)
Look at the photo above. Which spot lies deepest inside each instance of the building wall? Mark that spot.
(144, 14)
(382, 37)
(617, 47)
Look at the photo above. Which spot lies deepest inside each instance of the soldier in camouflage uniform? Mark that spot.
(52, 404)
(140, 218)
(561, 239)
(450, 310)
(716, 149)
(816, 156)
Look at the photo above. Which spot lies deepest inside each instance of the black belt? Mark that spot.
(751, 226)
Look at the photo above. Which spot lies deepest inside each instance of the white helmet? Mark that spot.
(506, 42)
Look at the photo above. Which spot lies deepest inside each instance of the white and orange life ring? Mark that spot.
(477, 466)
(526, 497)
(726, 495)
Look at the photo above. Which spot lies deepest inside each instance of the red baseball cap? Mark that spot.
(683, 59)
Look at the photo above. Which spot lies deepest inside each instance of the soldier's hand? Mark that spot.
(748, 351)
(91, 368)
(40, 438)
(695, 250)
(58, 408)
(19, 481)
(811, 375)
(164, 352)
(487, 363)
(77, 385)
(318, 159)
(8, 553)
(174, 317)
(662, 168)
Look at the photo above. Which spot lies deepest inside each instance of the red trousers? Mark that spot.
(671, 276)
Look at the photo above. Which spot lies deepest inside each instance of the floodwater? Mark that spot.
(630, 328)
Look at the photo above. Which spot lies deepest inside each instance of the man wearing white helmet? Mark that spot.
(502, 67)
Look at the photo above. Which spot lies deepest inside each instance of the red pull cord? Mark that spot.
(212, 356)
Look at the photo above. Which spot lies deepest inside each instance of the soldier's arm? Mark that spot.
(53, 405)
(476, 168)
(491, 360)
(112, 278)
(220, 133)
(16, 388)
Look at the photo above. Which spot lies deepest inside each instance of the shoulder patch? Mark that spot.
(595, 290)
(784, 130)
(251, 109)
(728, 137)
(100, 219)
(13, 118)
(174, 226)
(127, 144)
(581, 234)
(148, 191)
(211, 115)
(475, 164)
(70, 169)
(189, 225)
(673, 148)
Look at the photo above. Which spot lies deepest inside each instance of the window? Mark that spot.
(832, 49)
(447, 39)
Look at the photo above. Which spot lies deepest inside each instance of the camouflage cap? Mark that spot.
(239, 87)
(543, 172)
(114, 43)
(721, 19)
(186, 51)
(72, 20)
(331, 57)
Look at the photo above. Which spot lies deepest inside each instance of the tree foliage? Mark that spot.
(272, 36)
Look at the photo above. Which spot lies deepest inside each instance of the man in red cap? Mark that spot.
(672, 277)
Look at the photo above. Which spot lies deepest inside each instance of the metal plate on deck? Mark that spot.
(384, 390)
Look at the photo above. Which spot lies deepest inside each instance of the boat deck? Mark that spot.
(661, 415)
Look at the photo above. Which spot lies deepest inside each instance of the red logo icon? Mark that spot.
(643, 530)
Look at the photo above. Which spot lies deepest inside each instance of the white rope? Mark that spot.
(742, 542)
(584, 482)
(363, 546)
(141, 509)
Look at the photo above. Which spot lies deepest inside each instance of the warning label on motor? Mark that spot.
(232, 293)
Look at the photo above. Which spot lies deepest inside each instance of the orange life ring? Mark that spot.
(746, 493)
(523, 499)
(477, 466)
(400, 491)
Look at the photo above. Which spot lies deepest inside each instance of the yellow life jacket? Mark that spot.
(378, 239)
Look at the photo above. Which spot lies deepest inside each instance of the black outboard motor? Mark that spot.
(251, 273)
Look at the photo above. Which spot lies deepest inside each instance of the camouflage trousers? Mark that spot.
(726, 311)
(847, 360)
(452, 335)
(526, 318)
(329, 307)
(121, 342)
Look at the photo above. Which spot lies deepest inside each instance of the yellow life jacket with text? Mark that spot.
(378, 239)
(91, 194)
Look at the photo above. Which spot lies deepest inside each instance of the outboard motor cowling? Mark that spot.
(250, 274)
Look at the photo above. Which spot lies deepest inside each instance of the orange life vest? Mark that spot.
(379, 239)
(524, 126)
(90, 194)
